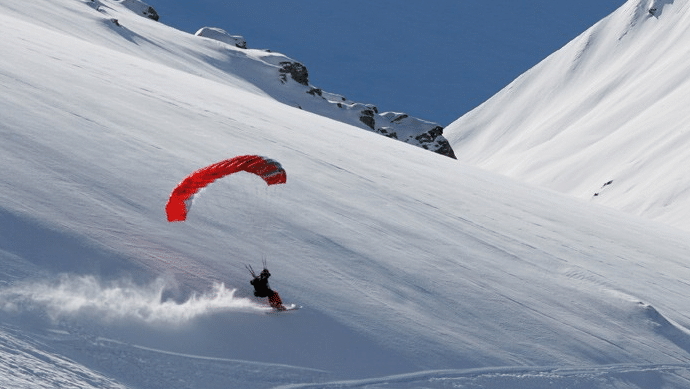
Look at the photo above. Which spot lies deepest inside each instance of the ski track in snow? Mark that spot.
(610, 376)
(25, 363)
(51, 358)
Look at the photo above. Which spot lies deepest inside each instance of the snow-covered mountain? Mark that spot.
(287, 81)
(604, 119)
(413, 269)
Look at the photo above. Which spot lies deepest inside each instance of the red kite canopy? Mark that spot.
(266, 168)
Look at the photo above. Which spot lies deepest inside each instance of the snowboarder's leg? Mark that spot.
(275, 301)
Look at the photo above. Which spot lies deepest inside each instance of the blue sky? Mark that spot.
(435, 60)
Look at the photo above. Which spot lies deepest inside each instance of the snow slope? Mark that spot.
(269, 73)
(413, 270)
(603, 119)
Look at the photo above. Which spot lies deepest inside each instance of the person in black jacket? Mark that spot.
(261, 288)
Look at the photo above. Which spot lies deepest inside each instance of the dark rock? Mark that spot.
(151, 13)
(430, 135)
(385, 131)
(315, 91)
(399, 118)
(434, 140)
(296, 70)
(368, 120)
(445, 149)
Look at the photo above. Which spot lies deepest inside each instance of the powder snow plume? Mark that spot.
(117, 300)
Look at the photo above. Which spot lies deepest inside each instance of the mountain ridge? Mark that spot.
(602, 119)
(303, 95)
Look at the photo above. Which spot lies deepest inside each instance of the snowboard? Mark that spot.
(288, 308)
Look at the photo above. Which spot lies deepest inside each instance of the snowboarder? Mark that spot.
(261, 288)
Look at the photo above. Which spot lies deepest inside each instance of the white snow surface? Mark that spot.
(413, 270)
(604, 119)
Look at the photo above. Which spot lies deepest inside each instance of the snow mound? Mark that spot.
(676, 334)
(138, 7)
(222, 36)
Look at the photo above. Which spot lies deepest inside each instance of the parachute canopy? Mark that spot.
(271, 171)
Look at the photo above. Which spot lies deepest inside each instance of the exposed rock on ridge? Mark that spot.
(301, 94)
(296, 70)
(400, 126)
